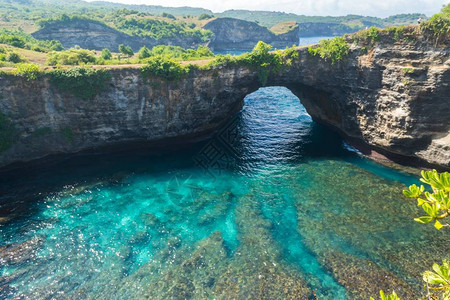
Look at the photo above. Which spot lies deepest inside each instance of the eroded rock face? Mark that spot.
(96, 36)
(235, 34)
(393, 97)
(130, 109)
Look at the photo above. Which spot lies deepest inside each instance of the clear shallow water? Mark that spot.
(303, 41)
(274, 206)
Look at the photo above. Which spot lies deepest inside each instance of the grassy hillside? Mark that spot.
(135, 23)
(25, 14)
(269, 18)
(283, 27)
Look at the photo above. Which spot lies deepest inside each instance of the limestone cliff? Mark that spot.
(235, 34)
(130, 109)
(393, 96)
(94, 35)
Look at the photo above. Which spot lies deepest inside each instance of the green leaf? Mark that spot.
(420, 201)
(433, 278)
(413, 191)
(438, 225)
(428, 209)
(424, 220)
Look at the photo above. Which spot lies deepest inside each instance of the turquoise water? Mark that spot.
(303, 41)
(273, 206)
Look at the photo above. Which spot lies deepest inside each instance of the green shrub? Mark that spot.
(169, 16)
(397, 33)
(144, 52)
(205, 17)
(178, 53)
(200, 52)
(13, 57)
(106, 54)
(263, 60)
(367, 36)
(446, 9)
(289, 55)
(437, 26)
(13, 40)
(222, 60)
(163, 68)
(7, 133)
(20, 39)
(72, 56)
(383, 296)
(438, 281)
(82, 82)
(333, 50)
(126, 50)
(436, 204)
(373, 34)
(28, 70)
(435, 201)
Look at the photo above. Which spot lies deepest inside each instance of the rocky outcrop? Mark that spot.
(49, 120)
(393, 97)
(235, 34)
(229, 34)
(95, 36)
(19, 253)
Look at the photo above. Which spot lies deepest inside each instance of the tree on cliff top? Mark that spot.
(126, 50)
(106, 54)
(144, 52)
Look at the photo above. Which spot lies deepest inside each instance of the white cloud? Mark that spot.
(381, 8)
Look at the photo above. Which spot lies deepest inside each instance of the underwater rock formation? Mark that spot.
(20, 253)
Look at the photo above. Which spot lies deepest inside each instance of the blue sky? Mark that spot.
(380, 8)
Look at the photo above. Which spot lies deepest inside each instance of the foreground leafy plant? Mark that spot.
(437, 207)
(383, 296)
(436, 204)
(438, 281)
